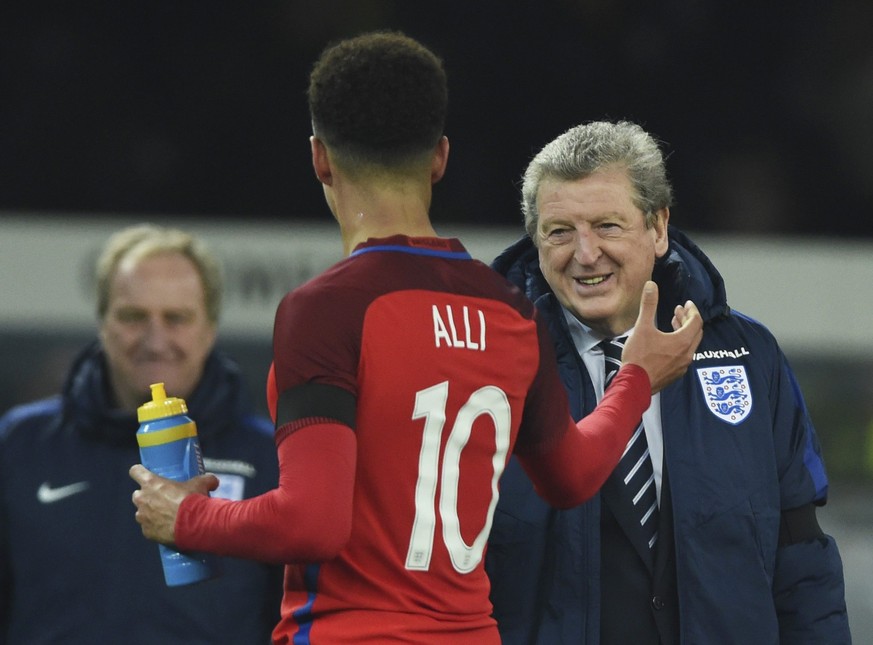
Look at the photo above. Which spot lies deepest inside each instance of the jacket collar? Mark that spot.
(89, 407)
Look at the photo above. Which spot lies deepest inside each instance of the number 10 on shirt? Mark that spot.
(430, 405)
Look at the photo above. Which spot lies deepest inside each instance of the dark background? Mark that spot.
(199, 109)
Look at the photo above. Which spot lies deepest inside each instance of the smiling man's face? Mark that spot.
(156, 328)
(595, 250)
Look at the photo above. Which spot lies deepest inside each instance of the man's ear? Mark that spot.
(321, 161)
(662, 242)
(440, 160)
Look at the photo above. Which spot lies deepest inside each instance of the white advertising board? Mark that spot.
(815, 295)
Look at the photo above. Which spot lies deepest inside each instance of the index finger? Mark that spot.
(683, 313)
(690, 314)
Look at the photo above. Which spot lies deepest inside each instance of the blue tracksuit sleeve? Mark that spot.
(808, 593)
(808, 585)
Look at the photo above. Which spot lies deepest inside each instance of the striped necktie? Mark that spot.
(635, 468)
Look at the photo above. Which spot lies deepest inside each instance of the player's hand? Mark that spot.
(158, 499)
(664, 356)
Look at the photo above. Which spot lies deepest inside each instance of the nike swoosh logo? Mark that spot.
(47, 495)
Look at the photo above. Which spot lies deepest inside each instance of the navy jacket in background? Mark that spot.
(74, 565)
(740, 449)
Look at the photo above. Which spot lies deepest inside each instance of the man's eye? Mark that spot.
(559, 234)
(127, 316)
(178, 318)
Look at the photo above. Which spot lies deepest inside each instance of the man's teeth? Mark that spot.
(591, 281)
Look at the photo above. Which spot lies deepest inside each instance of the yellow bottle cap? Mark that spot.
(161, 405)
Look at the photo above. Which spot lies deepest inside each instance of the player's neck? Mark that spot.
(382, 212)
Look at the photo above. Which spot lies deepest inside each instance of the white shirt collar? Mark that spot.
(584, 338)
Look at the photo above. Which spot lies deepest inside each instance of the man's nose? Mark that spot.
(587, 248)
(156, 337)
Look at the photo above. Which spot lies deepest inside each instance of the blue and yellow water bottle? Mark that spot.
(168, 447)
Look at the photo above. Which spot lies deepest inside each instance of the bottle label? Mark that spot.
(174, 433)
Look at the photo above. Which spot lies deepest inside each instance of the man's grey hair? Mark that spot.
(135, 243)
(600, 145)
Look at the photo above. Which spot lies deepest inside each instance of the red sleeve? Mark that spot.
(574, 468)
(308, 518)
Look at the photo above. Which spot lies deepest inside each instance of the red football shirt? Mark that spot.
(443, 358)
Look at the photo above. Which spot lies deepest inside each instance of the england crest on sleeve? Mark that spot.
(726, 391)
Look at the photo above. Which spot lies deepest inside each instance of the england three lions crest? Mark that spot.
(726, 390)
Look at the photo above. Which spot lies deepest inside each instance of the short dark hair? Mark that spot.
(378, 98)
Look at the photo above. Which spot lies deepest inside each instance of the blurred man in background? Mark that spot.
(710, 534)
(74, 567)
